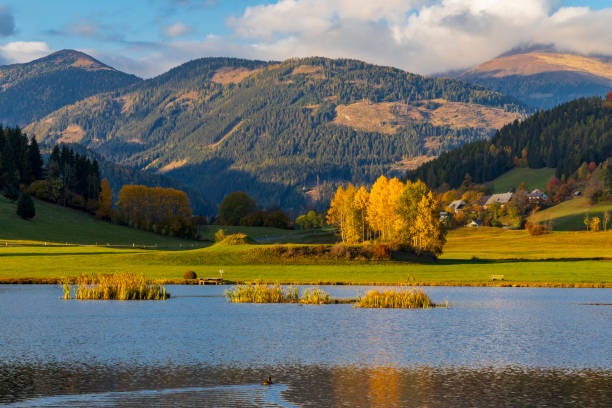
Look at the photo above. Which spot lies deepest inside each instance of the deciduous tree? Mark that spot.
(105, 202)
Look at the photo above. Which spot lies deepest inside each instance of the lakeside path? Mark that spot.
(564, 259)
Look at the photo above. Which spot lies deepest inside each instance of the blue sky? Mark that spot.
(146, 37)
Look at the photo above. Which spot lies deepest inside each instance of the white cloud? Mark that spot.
(22, 51)
(177, 29)
(420, 36)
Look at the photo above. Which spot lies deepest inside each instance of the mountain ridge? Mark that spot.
(543, 77)
(268, 127)
(34, 89)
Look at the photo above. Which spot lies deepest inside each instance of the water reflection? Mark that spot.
(51, 385)
(492, 347)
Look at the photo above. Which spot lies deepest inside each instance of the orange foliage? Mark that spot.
(163, 210)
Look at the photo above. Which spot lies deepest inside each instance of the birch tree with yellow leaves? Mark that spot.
(426, 232)
(404, 214)
(381, 213)
(343, 214)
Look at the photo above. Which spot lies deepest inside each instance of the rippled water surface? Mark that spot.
(491, 347)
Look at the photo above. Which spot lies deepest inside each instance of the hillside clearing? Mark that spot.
(535, 178)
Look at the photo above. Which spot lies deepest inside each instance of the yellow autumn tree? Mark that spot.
(381, 213)
(405, 214)
(427, 233)
(352, 228)
(162, 210)
(105, 201)
(361, 203)
(342, 213)
(334, 214)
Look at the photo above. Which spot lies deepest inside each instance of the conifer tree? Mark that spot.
(34, 161)
(25, 207)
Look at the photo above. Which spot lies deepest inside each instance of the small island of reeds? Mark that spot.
(263, 293)
(405, 297)
(125, 286)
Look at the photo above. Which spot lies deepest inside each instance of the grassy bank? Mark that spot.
(56, 224)
(569, 215)
(471, 256)
(60, 225)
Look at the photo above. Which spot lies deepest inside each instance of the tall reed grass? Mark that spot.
(263, 293)
(114, 287)
(315, 296)
(405, 298)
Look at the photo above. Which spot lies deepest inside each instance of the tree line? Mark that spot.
(564, 138)
(402, 214)
(73, 180)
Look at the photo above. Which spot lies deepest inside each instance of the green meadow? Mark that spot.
(56, 224)
(471, 256)
(569, 215)
(534, 178)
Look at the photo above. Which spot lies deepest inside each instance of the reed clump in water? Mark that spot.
(316, 296)
(114, 287)
(404, 298)
(263, 293)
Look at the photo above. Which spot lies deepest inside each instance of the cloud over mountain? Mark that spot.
(424, 36)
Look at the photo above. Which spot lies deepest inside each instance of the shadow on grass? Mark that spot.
(480, 261)
(58, 253)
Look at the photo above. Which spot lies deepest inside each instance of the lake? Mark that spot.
(494, 347)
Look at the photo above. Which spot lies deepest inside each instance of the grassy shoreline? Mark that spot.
(491, 284)
(471, 257)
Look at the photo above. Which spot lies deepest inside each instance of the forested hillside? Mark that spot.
(275, 130)
(563, 138)
(118, 176)
(30, 91)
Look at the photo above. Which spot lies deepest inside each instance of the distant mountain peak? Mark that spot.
(542, 76)
(537, 62)
(74, 58)
(32, 90)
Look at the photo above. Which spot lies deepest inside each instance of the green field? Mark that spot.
(535, 178)
(273, 235)
(471, 257)
(569, 215)
(56, 224)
